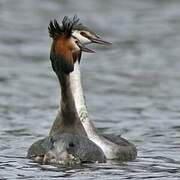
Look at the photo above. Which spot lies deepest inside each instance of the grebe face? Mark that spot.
(86, 37)
(79, 35)
(74, 43)
(77, 46)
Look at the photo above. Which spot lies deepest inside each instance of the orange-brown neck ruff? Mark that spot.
(62, 46)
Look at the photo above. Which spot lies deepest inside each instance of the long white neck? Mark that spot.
(75, 79)
(77, 91)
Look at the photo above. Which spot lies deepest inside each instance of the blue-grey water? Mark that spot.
(132, 88)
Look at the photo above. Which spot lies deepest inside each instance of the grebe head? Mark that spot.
(64, 45)
(86, 35)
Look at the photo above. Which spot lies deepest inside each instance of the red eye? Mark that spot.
(83, 34)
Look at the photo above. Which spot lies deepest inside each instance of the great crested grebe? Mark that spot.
(70, 144)
(114, 147)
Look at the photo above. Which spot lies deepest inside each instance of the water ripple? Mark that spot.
(131, 89)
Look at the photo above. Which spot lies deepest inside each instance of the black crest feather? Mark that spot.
(66, 29)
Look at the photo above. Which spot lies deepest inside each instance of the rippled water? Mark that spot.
(132, 88)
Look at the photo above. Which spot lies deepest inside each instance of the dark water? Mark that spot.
(132, 88)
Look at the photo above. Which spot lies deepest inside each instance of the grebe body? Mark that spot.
(73, 137)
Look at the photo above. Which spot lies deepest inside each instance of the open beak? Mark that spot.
(99, 40)
(84, 48)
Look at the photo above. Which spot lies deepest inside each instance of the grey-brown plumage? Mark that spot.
(57, 147)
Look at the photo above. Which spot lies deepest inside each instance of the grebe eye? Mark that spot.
(83, 33)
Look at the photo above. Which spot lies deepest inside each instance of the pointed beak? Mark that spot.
(84, 48)
(99, 40)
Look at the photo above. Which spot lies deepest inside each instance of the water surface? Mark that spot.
(132, 88)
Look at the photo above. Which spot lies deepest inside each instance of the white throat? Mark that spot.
(75, 79)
